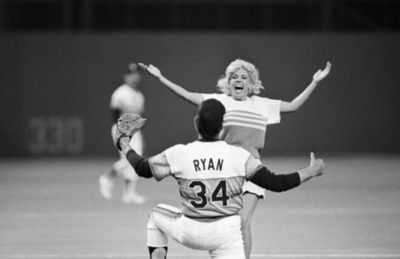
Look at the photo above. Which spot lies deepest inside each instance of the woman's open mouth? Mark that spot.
(238, 87)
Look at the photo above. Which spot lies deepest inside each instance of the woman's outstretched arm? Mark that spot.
(191, 97)
(294, 105)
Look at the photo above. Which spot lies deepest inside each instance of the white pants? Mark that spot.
(221, 237)
(122, 166)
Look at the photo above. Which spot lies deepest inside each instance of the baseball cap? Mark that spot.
(132, 68)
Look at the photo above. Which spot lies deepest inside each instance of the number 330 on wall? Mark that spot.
(56, 135)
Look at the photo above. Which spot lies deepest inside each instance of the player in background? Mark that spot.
(126, 99)
(247, 117)
(210, 175)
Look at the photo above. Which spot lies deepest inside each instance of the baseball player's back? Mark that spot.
(210, 176)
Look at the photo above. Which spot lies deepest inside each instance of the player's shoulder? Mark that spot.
(175, 149)
(239, 149)
(185, 148)
(120, 90)
(176, 154)
(201, 145)
(122, 87)
(231, 149)
(218, 96)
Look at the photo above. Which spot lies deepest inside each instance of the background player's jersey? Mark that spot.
(127, 99)
(245, 122)
(210, 176)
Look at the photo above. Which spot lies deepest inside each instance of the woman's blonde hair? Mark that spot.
(255, 82)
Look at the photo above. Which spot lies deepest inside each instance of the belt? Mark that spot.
(212, 218)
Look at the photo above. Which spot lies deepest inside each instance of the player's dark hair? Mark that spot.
(209, 119)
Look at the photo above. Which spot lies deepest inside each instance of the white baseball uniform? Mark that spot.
(210, 176)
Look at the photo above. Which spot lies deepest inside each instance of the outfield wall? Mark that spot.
(55, 88)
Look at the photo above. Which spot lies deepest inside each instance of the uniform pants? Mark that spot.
(221, 237)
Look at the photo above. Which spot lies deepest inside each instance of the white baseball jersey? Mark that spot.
(127, 99)
(245, 122)
(210, 176)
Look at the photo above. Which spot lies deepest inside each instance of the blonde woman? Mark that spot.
(246, 118)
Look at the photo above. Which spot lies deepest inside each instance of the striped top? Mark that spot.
(245, 122)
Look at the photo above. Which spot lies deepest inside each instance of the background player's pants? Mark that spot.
(221, 237)
(122, 166)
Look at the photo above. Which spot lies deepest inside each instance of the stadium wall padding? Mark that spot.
(57, 86)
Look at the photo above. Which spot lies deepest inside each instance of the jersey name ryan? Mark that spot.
(208, 164)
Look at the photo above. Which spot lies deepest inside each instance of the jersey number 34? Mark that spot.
(219, 194)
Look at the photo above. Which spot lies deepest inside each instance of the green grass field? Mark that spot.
(51, 208)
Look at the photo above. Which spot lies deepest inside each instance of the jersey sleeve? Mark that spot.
(159, 166)
(176, 158)
(252, 166)
(167, 163)
(271, 109)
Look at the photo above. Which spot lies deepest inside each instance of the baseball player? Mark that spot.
(210, 175)
(247, 117)
(125, 99)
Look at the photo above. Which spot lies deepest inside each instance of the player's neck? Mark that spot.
(133, 86)
(200, 138)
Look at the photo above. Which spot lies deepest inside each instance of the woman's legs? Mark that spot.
(250, 202)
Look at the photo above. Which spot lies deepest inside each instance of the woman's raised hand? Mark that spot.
(154, 71)
(321, 74)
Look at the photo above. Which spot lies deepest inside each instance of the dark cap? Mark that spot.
(209, 118)
(132, 68)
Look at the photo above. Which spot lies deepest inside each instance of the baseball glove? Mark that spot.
(127, 125)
